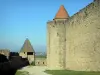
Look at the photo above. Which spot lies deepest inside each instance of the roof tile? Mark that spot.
(27, 47)
(62, 13)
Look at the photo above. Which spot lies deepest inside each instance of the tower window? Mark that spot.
(29, 53)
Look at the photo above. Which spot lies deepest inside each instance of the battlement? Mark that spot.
(84, 13)
(79, 16)
(57, 22)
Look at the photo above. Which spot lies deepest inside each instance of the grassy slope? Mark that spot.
(21, 73)
(66, 72)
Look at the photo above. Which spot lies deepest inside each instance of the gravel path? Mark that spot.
(35, 70)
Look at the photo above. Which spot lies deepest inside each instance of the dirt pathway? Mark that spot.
(35, 70)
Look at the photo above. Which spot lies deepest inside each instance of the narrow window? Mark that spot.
(29, 53)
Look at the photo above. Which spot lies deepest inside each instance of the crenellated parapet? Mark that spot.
(58, 22)
(84, 13)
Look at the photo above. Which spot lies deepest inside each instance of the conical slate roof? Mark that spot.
(62, 13)
(27, 47)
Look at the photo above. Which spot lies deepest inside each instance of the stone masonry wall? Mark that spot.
(48, 46)
(31, 58)
(56, 45)
(5, 52)
(23, 54)
(40, 62)
(83, 39)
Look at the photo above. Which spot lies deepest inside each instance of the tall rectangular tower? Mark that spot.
(56, 40)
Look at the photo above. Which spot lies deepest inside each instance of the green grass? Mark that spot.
(22, 73)
(69, 72)
(33, 63)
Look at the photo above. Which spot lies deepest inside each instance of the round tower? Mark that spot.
(56, 40)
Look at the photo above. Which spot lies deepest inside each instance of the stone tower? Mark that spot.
(74, 42)
(27, 51)
(56, 40)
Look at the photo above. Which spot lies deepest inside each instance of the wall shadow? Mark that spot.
(11, 65)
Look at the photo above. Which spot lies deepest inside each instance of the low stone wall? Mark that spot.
(40, 62)
(5, 52)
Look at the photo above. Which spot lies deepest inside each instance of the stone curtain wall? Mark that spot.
(23, 54)
(5, 52)
(83, 39)
(40, 62)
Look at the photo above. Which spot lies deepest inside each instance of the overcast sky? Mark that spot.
(21, 19)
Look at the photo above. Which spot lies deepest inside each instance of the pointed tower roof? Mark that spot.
(27, 47)
(62, 13)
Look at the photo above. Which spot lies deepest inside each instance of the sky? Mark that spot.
(21, 19)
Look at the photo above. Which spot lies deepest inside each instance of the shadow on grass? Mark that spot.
(70, 72)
